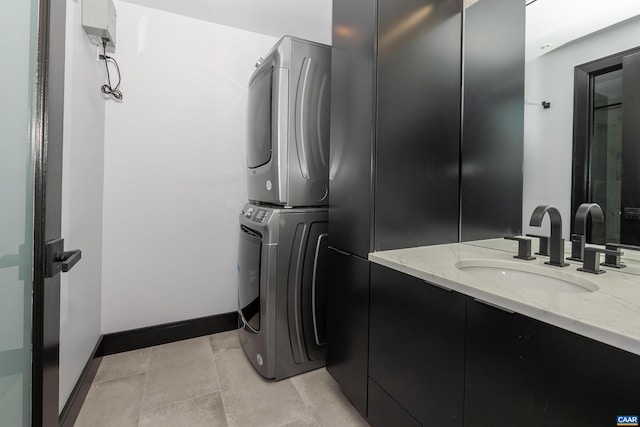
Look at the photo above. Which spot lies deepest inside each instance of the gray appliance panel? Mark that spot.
(297, 173)
(292, 296)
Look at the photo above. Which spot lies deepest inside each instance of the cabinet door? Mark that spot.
(384, 411)
(417, 346)
(583, 382)
(500, 368)
(418, 123)
(520, 371)
(352, 124)
(348, 325)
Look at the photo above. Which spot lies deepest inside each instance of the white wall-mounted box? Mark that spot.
(99, 22)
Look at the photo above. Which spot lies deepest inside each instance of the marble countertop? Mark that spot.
(630, 258)
(610, 315)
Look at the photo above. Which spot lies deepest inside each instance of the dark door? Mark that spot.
(31, 257)
(47, 215)
(630, 186)
(606, 150)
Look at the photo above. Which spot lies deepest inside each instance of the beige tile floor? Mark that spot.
(208, 381)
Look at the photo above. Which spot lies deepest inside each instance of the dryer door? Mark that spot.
(259, 123)
(249, 261)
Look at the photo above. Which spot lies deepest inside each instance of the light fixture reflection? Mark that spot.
(406, 25)
(344, 31)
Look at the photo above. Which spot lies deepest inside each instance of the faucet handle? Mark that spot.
(577, 247)
(543, 249)
(524, 247)
(591, 263)
(612, 258)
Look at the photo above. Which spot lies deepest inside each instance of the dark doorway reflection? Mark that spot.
(606, 154)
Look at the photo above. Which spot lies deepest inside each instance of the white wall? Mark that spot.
(174, 168)
(548, 134)
(307, 19)
(83, 162)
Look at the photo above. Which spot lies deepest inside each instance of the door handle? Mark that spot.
(69, 259)
(57, 259)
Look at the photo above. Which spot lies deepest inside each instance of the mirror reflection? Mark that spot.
(582, 114)
(574, 153)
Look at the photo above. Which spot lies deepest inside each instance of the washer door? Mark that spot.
(249, 261)
(306, 290)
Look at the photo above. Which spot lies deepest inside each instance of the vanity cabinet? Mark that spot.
(524, 372)
(416, 350)
(441, 358)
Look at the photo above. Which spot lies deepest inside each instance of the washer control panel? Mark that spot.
(255, 215)
(260, 216)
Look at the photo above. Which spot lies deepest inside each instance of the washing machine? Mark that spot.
(282, 277)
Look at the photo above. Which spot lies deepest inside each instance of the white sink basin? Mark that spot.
(526, 276)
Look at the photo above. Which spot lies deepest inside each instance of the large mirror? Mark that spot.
(578, 147)
(582, 117)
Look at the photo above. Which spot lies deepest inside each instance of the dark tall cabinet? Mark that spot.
(351, 195)
(395, 138)
(395, 124)
(398, 152)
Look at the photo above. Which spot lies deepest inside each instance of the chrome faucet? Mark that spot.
(579, 236)
(556, 242)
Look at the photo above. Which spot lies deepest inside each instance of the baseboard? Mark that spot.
(134, 339)
(79, 393)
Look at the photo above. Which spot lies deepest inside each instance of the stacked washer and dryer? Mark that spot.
(282, 262)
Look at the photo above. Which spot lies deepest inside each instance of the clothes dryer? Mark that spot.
(288, 125)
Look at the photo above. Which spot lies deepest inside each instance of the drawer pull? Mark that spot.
(493, 305)
(438, 286)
